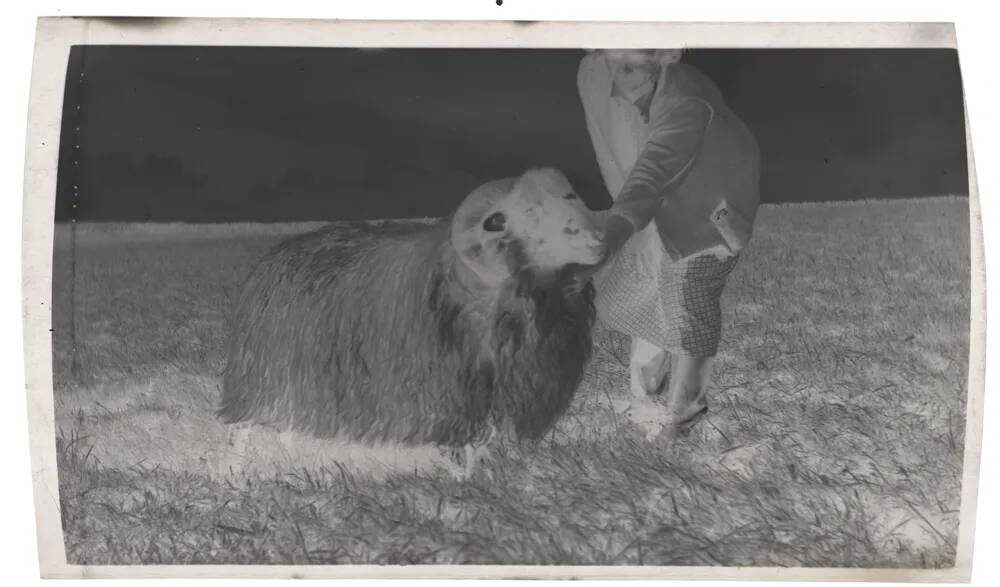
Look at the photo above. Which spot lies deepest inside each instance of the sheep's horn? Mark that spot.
(467, 220)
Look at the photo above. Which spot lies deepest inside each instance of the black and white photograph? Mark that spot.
(672, 305)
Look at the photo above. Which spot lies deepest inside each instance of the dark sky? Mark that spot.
(219, 134)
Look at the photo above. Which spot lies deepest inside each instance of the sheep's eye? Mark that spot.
(495, 222)
(570, 196)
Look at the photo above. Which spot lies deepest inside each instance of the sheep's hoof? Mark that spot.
(462, 461)
(475, 455)
(467, 461)
(458, 473)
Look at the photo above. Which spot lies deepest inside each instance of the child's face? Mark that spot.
(632, 69)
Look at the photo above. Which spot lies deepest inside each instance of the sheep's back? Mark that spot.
(334, 336)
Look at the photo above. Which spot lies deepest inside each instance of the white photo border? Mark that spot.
(56, 35)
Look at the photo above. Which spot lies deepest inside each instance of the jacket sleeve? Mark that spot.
(592, 85)
(675, 134)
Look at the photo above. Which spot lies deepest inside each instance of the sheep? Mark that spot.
(474, 328)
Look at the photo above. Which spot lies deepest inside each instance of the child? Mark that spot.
(683, 171)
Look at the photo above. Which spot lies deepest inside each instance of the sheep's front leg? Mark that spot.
(471, 455)
(475, 454)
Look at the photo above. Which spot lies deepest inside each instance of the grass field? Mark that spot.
(835, 436)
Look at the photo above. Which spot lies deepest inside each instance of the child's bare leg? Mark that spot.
(648, 365)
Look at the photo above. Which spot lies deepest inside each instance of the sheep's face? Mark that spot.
(536, 221)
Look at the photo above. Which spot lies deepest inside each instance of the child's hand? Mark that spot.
(617, 231)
